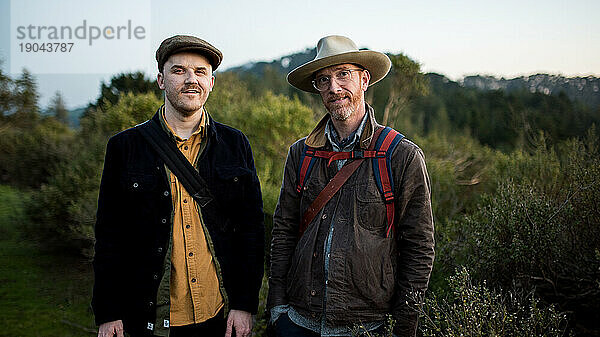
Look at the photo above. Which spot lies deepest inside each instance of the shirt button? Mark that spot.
(135, 185)
(191, 254)
(166, 193)
(313, 315)
(159, 249)
(185, 147)
(313, 293)
(193, 280)
(315, 254)
(324, 216)
(236, 179)
(187, 226)
(305, 188)
(155, 277)
(150, 304)
(163, 220)
(185, 201)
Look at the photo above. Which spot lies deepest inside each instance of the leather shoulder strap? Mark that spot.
(332, 187)
(176, 161)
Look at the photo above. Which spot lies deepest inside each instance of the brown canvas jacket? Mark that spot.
(370, 275)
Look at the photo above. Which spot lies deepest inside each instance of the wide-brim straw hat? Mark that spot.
(333, 50)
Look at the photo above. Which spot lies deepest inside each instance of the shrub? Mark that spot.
(542, 233)
(63, 211)
(476, 310)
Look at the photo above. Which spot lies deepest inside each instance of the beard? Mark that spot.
(341, 112)
(184, 105)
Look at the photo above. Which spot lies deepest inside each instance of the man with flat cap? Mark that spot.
(352, 238)
(180, 229)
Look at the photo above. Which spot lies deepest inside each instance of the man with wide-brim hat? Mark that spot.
(180, 228)
(353, 228)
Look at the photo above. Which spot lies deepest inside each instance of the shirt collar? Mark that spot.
(347, 143)
(202, 127)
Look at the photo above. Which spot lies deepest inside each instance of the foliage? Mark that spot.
(406, 82)
(58, 109)
(476, 310)
(72, 189)
(41, 294)
(541, 229)
(124, 83)
(29, 155)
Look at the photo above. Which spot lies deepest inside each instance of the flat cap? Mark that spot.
(180, 43)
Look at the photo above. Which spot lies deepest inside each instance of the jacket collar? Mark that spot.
(317, 138)
(211, 132)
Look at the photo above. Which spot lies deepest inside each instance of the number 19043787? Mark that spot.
(49, 47)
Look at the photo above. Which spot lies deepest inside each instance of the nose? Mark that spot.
(334, 86)
(191, 77)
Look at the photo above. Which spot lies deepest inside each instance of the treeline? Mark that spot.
(514, 180)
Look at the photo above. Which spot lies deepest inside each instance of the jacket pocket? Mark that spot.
(230, 183)
(370, 208)
(139, 182)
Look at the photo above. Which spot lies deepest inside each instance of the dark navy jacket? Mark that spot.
(134, 222)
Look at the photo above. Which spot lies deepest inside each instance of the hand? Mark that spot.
(109, 329)
(241, 322)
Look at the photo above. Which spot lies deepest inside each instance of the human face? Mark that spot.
(343, 100)
(187, 80)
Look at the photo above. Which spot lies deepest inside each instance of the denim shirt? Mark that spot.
(315, 324)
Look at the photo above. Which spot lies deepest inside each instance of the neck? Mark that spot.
(183, 126)
(345, 128)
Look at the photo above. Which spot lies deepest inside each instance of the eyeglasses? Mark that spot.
(342, 76)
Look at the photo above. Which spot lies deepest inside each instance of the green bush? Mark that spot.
(29, 155)
(12, 212)
(541, 230)
(63, 211)
(476, 310)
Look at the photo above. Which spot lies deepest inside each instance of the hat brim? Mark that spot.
(378, 65)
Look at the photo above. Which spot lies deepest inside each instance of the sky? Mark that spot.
(506, 38)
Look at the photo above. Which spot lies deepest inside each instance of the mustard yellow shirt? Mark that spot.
(194, 285)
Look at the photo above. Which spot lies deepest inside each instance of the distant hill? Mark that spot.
(74, 115)
(585, 90)
(582, 89)
(283, 65)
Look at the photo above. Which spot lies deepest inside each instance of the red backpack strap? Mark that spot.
(386, 143)
(331, 188)
(307, 160)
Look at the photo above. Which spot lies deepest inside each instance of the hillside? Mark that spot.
(585, 90)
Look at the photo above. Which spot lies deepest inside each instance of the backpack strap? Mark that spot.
(307, 161)
(386, 143)
(331, 188)
(310, 154)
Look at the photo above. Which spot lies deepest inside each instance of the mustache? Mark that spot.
(191, 87)
(334, 97)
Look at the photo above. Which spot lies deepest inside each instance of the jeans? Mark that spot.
(213, 327)
(284, 327)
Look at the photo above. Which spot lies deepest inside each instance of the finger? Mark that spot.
(229, 326)
(120, 332)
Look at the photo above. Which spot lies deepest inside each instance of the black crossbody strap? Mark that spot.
(176, 161)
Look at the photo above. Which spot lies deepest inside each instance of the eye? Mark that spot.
(201, 72)
(343, 74)
(322, 80)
